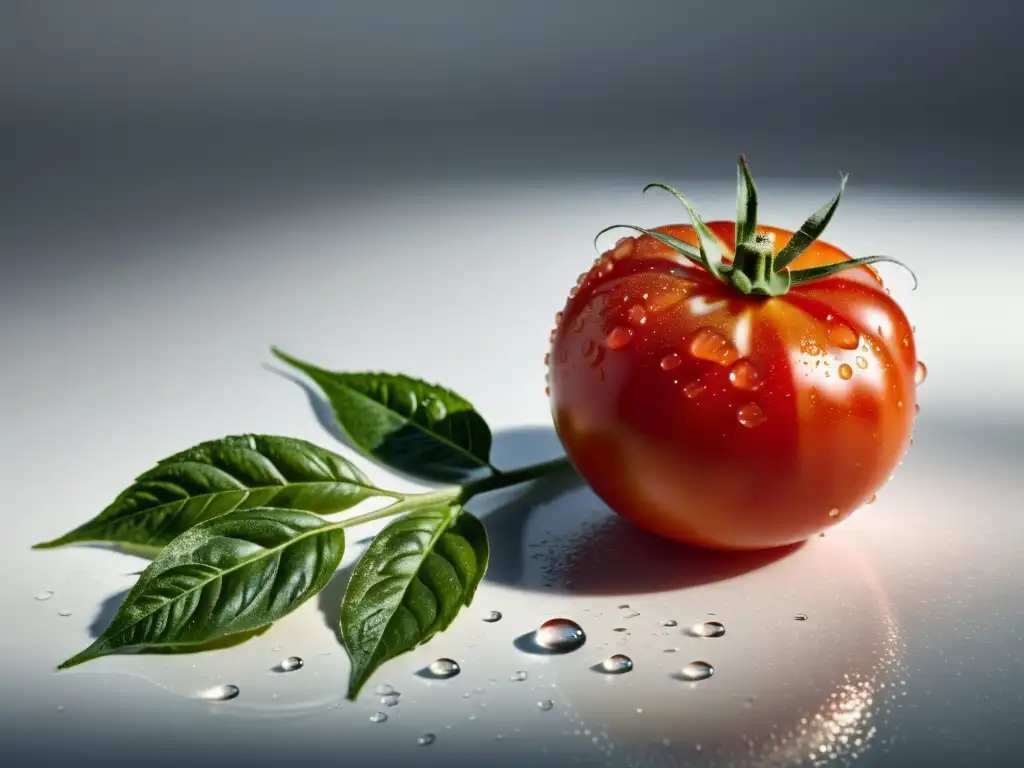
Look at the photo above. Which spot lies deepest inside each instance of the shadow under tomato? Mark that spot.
(556, 536)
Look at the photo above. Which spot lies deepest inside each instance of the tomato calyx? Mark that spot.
(756, 269)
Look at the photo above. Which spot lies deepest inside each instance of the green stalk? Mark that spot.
(756, 269)
(461, 493)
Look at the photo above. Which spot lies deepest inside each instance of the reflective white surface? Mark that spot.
(911, 646)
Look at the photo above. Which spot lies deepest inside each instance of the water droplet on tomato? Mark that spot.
(708, 344)
(708, 629)
(696, 671)
(834, 512)
(573, 291)
(558, 318)
(444, 668)
(618, 338)
(547, 358)
(670, 361)
(871, 499)
(920, 373)
(552, 335)
(843, 336)
(906, 341)
(861, 363)
(560, 635)
(577, 324)
(637, 314)
(623, 248)
(693, 389)
(745, 375)
(750, 415)
(845, 372)
(617, 664)
(899, 404)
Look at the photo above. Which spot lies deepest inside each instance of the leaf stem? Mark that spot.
(461, 493)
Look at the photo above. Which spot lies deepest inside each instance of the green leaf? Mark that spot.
(679, 246)
(409, 584)
(817, 273)
(810, 230)
(230, 575)
(407, 424)
(217, 477)
(746, 206)
(710, 253)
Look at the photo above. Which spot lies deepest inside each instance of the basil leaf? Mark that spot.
(233, 574)
(407, 424)
(217, 477)
(409, 584)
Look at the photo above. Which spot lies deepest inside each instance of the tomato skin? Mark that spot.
(728, 421)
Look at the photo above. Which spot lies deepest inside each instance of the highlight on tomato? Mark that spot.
(733, 385)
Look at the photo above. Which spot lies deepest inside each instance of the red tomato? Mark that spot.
(726, 420)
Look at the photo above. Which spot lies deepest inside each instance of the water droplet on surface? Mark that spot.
(920, 373)
(710, 345)
(378, 717)
(637, 314)
(518, 676)
(861, 362)
(444, 668)
(800, 617)
(834, 512)
(220, 693)
(46, 594)
(696, 671)
(426, 739)
(617, 664)
(670, 361)
(750, 415)
(871, 499)
(708, 629)
(845, 372)
(618, 338)
(492, 616)
(669, 623)
(384, 689)
(291, 664)
(545, 706)
(63, 614)
(391, 700)
(693, 390)
(560, 635)
(843, 337)
(899, 404)
(745, 375)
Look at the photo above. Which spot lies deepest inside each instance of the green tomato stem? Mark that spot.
(460, 493)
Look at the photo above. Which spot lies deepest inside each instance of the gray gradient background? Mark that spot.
(412, 186)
